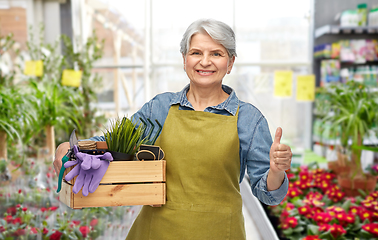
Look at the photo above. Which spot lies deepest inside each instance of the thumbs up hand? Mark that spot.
(280, 154)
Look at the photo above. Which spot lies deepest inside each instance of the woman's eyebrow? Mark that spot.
(213, 50)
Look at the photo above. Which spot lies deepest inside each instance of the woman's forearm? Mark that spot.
(275, 180)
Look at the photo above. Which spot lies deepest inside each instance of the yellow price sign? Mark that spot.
(283, 81)
(34, 68)
(71, 78)
(306, 88)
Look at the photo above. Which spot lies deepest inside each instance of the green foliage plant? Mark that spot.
(16, 109)
(54, 103)
(355, 112)
(123, 136)
(82, 57)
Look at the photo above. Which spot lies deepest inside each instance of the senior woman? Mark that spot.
(210, 138)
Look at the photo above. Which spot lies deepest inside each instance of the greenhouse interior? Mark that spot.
(102, 101)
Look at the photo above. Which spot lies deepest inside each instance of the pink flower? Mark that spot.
(290, 222)
(371, 228)
(17, 220)
(294, 192)
(12, 211)
(8, 218)
(84, 230)
(337, 230)
(53, 208)
(324, 227)
(19, 232)
(24, 209)
(56, 235)
(284, 215)
(315, 210)
(355, 210)
(305, 211)
(94, 222)
(289, 206)
(315, 237)
(75, 222)
(322, 218)
(365, 214)
(290, 175)
(314, 195)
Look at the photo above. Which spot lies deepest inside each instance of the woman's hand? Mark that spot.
(60, 151)
(280, 161)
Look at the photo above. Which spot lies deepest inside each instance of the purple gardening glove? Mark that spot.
(88, 178)
(90, 161)
(75, 171)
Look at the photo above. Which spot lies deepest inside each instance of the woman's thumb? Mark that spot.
(277, 137)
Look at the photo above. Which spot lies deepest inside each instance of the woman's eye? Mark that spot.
(195, 53)
(217, 54)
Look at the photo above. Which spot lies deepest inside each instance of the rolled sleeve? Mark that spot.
(270, 197)
(258, 165)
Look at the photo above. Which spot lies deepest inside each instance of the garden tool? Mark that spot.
(148, 137)
(73, 142)
(88, 178)
(150, 152)
(90, 147)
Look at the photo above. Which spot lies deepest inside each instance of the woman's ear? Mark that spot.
(230, 64)
(184, 62)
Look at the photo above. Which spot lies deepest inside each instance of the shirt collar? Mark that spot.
(230, 104)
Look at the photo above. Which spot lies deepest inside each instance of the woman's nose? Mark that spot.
(205, 61)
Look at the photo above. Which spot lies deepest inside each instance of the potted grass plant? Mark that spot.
(354, 112)
(123, 138)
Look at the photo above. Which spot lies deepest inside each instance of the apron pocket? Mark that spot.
(185, 221)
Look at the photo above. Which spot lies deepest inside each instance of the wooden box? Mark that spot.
(125, 183)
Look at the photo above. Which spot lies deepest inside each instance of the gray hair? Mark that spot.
(218, 31)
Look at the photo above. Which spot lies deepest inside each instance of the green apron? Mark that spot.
(203, 169)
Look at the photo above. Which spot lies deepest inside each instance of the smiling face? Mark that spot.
(207, 61)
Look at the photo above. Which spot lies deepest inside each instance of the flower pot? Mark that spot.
(121, 156)
(351, 185)
(338, 169)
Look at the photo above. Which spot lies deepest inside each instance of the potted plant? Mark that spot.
(354, 112)
(123, 138)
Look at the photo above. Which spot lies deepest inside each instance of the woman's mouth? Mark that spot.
(204, 72)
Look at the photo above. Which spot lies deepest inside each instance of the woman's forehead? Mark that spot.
(203, 40)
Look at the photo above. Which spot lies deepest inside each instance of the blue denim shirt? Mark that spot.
(253, 130)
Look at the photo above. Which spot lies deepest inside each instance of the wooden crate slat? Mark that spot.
(131, 171)
(118, 195)
(134, 171)
(65, 194)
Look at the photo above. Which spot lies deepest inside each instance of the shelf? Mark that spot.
(332, 29)
(347, 63)
(371, 140)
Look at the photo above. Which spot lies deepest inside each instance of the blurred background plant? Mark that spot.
(37, 113)
(90, 120)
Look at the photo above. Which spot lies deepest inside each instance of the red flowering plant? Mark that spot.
(372, 169)
(30, 209)
(316, 208)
